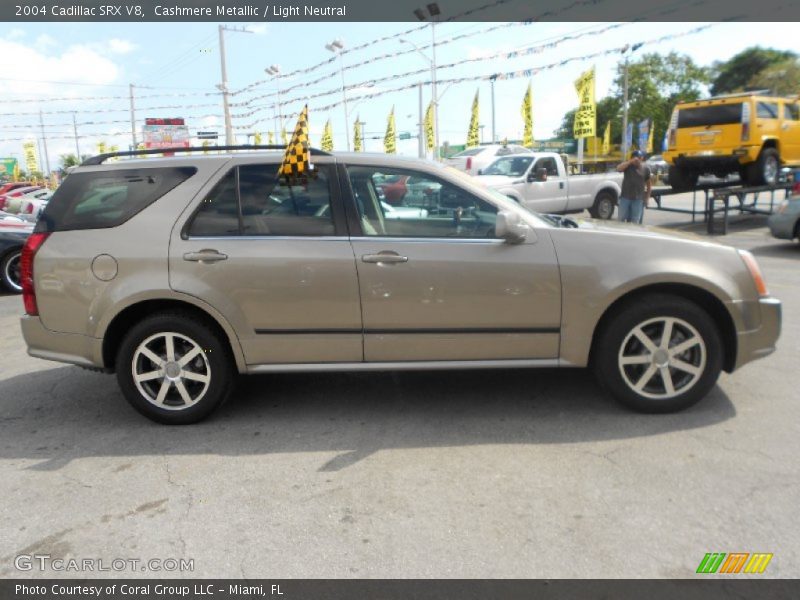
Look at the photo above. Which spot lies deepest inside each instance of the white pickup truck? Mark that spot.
(540, 182)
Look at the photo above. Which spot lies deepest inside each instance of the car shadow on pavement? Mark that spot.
(60, 414)
(790, 250)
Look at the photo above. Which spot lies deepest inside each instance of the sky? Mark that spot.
(84, 70)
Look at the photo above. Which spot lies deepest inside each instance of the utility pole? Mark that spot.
(336, 46)
(494, 134)
(625, 111)
(421, 145)
(223, 87)
(433, 85)
(75, 131)
(44, 144)
(133, 118)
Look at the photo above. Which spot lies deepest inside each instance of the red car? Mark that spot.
(16, 193)
(13, 185)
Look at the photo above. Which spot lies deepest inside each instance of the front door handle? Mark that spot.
(205, 256)
(384, 257)
(561, 185)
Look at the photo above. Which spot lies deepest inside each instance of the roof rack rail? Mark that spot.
(101, 158)
(740, 94)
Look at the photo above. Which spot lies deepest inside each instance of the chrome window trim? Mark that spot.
(452, 240)
(319, 238)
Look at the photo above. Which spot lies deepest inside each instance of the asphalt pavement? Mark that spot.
(459, 474)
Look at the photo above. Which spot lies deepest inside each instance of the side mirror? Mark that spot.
(510, 227)
(480, 171)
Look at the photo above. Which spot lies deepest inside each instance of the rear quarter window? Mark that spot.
(103, 199)
(703, 116)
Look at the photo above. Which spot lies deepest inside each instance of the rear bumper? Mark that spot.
(760, 342)
(711, 160)
(70, 348)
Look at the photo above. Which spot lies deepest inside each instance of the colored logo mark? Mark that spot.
(734, 562)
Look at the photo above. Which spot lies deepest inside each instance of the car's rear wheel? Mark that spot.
(765, 170)
(659, 354)
(603, 207)
(682, 180)
(174, 368)
(10, 273)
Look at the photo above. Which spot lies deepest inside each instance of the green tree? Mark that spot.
(740, 71)
(69, 160)
(656, 84)
(782, 78)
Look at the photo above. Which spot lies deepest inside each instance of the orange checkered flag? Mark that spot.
(296, 166)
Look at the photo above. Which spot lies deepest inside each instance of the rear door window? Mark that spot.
(103, 199)
(767, 110)
(252, 201)
(791, 112)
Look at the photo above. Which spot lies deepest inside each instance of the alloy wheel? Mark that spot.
(13, 272)
(171, 371)
(662, 358)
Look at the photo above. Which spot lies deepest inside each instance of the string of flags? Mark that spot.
(538, 49)
(527, 73)
(395, 36)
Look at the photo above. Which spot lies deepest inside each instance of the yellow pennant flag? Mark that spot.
(585, 117)
(296, 165)
(527, 119)
(270, 138)
(650, 137)
(473, 138)
(429, 135)
(15, 172)
(607, 139)
(101, 147)
(357, 144)
(390, 139)
(257, 138)
(206, 144)
(284, 137)
(327, 137)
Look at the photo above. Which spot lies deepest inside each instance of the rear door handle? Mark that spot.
(205, 256)
(384, 257)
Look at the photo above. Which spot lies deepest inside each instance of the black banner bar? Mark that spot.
(401, 589)
(398, 10)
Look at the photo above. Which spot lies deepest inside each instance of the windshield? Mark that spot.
(510, 166)
(470, 152)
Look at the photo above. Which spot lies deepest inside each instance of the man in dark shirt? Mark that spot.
(636, 188)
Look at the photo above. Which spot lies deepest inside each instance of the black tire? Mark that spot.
(214, 362)
(617, 342)
(766, 169)
(603, 207)
(10, 273)
(682, 180)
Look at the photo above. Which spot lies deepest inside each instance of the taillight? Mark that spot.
(673, 128)
(29, 209)
(2, 203)
(469, 163)
(745, 122)
(29, 250)
(796, 188)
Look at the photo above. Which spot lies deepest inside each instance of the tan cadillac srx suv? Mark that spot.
(179, 272)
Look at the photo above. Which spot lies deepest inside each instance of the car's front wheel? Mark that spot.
(174, 368)
(10, 273)
(658, 354)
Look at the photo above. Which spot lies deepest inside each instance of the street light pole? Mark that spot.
(336, 46)
(625, 111)
(275, 71)
(223, 87)
(133, 118)
(494, 134)
(433, 11)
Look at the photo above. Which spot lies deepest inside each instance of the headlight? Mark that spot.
(755, 272)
